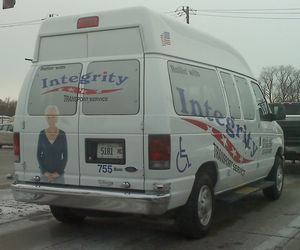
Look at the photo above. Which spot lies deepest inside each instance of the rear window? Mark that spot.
(292, 108)
(112, 88)
(55, 85)
(91, 44)
(62, 47)
(196, 91)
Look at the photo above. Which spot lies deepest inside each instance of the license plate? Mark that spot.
(110, 151)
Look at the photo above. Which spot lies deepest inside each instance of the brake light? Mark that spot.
(88, 22)
(159, 151)
(17, 146)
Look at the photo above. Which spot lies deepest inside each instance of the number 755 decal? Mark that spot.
(105, 168)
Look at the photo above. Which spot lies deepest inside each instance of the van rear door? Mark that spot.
(111, 118)
(50, 125)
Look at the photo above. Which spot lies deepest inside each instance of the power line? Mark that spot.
(251, 10)
(252, 17)
(24, 23)
(243, 13)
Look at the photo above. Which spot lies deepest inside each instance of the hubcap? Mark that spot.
(279, 180)
(204, 205)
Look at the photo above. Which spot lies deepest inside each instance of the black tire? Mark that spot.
(277, 176)
(66, 215)
(194, 221)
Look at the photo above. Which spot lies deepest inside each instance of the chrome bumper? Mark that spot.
(102, 200)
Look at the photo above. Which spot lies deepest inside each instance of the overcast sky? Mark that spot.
(263, 42)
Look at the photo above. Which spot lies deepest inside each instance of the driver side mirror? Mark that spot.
(278, 111)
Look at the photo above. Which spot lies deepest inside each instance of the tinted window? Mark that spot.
(55, 85)
(63, 47)
(112, 88)
(232, 96)
(196, 91)
(111, 44)
(292, 108)
(260, 100)
(10, 128)
(245, 97)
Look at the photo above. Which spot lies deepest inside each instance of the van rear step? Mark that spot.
(237, 194)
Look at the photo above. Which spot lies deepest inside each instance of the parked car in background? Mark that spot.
(4, 119)
(290, 126)
(6, 134)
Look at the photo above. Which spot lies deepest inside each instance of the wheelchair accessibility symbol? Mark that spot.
(182, 159)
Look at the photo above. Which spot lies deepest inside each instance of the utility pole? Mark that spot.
(186, 10)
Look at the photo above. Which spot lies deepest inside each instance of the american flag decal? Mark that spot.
(165, 39)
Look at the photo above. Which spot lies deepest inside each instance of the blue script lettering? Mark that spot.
(232, 129)
(85, 79)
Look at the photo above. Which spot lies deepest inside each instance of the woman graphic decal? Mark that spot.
(52, 150)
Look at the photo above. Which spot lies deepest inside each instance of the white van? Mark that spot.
(130, 111)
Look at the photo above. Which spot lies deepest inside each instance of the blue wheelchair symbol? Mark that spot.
(182, 155)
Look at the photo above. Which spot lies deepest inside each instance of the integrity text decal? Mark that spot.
(232, 128)
(61, 83)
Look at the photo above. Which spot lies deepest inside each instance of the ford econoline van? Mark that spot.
(129, 111)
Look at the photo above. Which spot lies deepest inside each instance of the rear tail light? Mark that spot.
(17, 146)
(88, 22)
(159, 151)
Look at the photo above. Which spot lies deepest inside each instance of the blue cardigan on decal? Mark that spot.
(52, 157)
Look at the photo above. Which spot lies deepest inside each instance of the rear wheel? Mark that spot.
(277, 176)
(194, 218)
(66, 215)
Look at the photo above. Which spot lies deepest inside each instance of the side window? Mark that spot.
(232, 96)
(196, 91)
(111, 88)
(260, 100)
(55, 85)
(245, 97)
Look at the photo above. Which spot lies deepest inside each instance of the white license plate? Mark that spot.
(110, 151)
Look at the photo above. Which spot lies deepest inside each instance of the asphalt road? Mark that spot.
(250, 223)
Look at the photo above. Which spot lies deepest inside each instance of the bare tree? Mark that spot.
(267, 80)
(297, 85)
(285, 83)
(280, 83)
(8, 107)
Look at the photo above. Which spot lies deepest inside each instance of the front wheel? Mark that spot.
(195, 217)
(66, 215)
(277, 176)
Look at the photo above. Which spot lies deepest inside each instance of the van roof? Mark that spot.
(160, 34)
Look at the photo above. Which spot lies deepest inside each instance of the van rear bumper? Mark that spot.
(115, 201)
